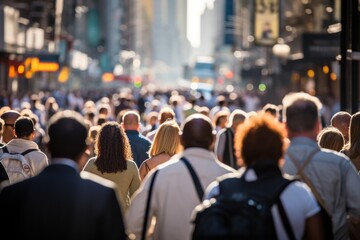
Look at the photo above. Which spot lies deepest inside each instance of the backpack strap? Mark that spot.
(284, 218)
(148, 201)
(195, 178)
(5, 150)
(28, 151)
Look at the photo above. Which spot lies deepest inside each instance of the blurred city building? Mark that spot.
(267, 46)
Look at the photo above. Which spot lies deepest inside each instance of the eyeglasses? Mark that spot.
(9, 124)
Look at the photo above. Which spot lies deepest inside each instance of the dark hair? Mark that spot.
(197, 131)
(301, 111)
(67, 135)
(112, 148)
(260, 138)
(24, 127)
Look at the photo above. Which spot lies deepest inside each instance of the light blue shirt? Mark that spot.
(333, 176)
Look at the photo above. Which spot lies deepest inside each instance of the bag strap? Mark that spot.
(195, 178)
(28, 151)
(299, 167)
(148, 201)
(306, 179)
(285, 219)
(5, 150)
(229, 137)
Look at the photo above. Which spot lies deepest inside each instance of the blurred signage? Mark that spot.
(321, 45)
(266, 22)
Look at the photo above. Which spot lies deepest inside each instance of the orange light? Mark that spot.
(333, 76)
(47, 67)
(107, 77)
(325, 69)
(12, 72)
(34, 64)
(64, 75)
(29, 74)
(21, 69)
(311, 73)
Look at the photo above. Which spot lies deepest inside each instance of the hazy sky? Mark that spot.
(194, 10)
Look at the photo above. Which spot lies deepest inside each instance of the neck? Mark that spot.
(311, 135)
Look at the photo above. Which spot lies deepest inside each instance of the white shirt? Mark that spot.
(298, 201)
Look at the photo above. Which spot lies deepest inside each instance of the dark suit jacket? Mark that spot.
(60, 204)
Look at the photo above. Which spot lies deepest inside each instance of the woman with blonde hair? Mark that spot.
(113, 161)
(166, 143)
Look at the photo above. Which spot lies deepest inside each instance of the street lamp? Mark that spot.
(281, 49)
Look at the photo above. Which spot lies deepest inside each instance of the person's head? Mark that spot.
(354, 136)
(331, 138)
(93, 132)
(24, 128)
(131, 120)
(67, 135)
(166, 139)
(236, 117)
(197, 131)
(260, 138)
(9, 118)
(152, 118)
(221, 118)
(341, 120)
(220, 101)
(301, 113)
(112, 148)
(271, 109)
(165, 114)
(204, 110)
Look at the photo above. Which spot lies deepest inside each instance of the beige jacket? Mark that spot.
(174, 195)
(37, 159)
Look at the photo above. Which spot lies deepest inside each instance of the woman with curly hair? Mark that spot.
(113, 161)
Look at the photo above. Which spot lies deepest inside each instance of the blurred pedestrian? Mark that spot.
(65, 204)
(140, 145)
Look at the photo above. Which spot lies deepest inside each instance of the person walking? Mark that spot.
(166, 144)
(113, 161)
(23, 143)
(140, 144)
(330, 175)
(261, 177)
(60, 203)
(174, 193)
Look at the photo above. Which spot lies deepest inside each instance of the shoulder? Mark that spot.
(97, 180)
(131, 164)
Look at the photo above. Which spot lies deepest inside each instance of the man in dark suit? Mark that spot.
(59, 203)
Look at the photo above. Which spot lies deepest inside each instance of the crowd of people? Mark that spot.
(95, 160)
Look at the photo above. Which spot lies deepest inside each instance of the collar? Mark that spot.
(65, 161)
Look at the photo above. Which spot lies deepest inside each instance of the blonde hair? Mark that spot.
(166, 139)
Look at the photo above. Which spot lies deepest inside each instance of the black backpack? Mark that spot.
(242, 210)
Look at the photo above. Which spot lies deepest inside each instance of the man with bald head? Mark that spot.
(9, 118)
(140, 145)
(174, 195)
(341, 121)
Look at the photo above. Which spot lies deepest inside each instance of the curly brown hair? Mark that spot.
(112, 148)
